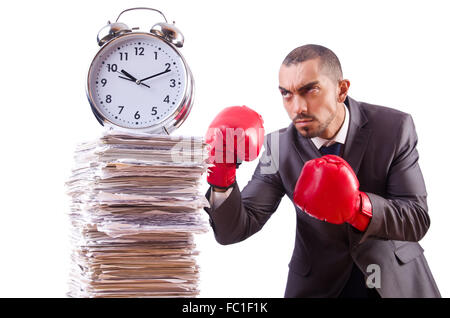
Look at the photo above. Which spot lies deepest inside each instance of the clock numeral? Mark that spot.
(121, 108)
(108, 99)
(156, 55)
(172, 83)
(154, 110)
(123, 55)
(112, 67)
(139, 51)
(167, 99)
(137, 115)
(167, 67)
(103, 81)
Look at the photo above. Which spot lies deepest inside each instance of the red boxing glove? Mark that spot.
(328, 190)
(235, 134)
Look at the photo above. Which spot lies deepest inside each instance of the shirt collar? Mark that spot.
(339, 137)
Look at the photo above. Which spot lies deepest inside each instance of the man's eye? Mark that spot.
(284, 93)
(313, 89)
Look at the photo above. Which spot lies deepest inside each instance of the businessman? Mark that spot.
(351, 170)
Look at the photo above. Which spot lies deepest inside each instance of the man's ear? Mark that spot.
(342, 90)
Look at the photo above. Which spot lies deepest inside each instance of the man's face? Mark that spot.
(310, 98)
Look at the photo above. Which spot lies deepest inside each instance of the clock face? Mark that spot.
(137, 81)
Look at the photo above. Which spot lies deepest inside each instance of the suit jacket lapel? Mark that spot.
(303, 146)
(355, 144)
(357, 136)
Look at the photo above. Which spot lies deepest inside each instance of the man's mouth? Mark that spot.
(303, 122)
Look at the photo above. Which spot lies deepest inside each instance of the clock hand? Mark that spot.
(161, 73)
(132, 79)
(128, 79)
(129, 75)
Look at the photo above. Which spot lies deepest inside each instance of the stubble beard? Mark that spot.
(308, 133)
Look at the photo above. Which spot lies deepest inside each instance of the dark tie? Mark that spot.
(334, 149)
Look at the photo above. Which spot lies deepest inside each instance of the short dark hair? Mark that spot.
(328, 60)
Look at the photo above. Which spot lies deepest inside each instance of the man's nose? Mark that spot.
(299, 104)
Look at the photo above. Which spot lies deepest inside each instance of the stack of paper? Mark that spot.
(136, 205)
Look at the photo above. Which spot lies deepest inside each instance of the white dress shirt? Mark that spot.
(217, 198)
(339, 137)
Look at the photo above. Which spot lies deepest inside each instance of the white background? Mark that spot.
(395, 53)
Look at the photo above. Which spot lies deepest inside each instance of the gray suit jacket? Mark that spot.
(381, 149)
